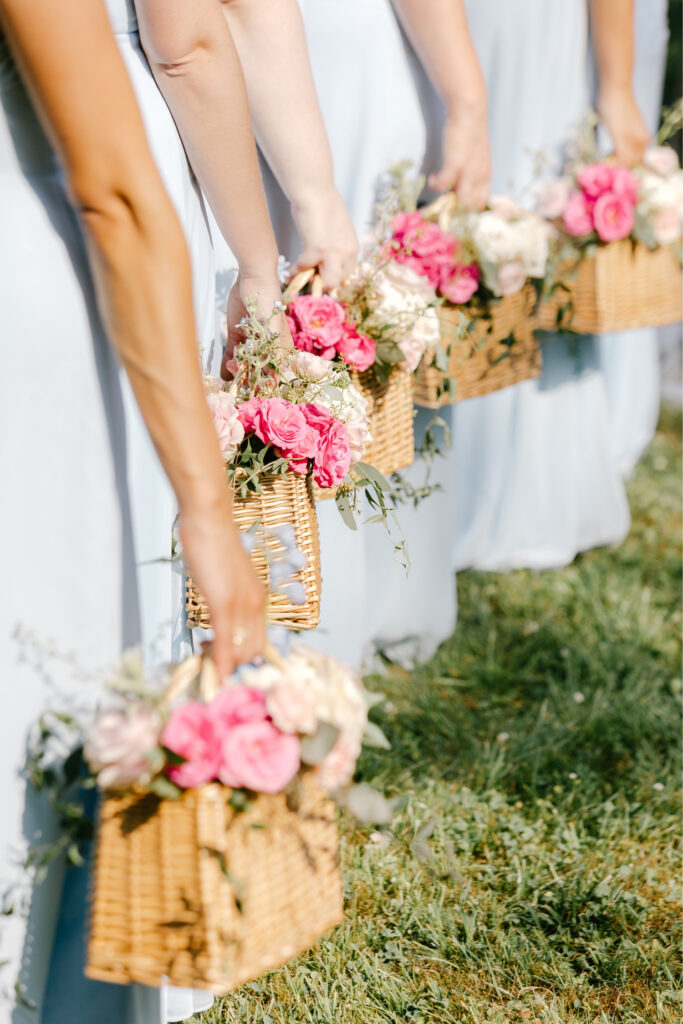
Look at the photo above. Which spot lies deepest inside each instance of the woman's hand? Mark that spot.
(625, 124)
(466, 164)
(269, 293)
(328, 236)
(221, 569)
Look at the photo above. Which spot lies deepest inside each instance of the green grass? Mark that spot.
(532, 872)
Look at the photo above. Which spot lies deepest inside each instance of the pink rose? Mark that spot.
(625, 184)
(317, 416)
(552, 198)
(357, 349)
(661, 159)
(332, 461)
(280, 423)
(577, 216)
(666, 224)
(422, 246)
(595, 179)
(259, 757)
(613, 216)
(117, 744)
(318, 324)
(292, 708)
(190, 733)
(235, 706)
(511, 277)
(460, 283)
(248, 413)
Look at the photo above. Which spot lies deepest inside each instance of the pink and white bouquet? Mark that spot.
(440, 257)
(510, 244)
(304, 713)
(606, 202)
(319, 325)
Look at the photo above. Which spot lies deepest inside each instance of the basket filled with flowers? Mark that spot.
(332, 332)
(216, 842)
(478, 267)
(617, 255)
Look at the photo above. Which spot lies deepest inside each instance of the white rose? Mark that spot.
(661, 159)
(493, 237)
(312, 367)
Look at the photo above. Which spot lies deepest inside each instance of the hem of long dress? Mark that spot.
(539, 561)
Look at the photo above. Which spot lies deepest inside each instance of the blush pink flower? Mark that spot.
(459, 283)
(613, 217)
(511, 277)
(666, 224)
(594, 179)
(317, 324)
(190, 733)
(226, 421)
(332, 461)
(577, 216)
(292, 708)
(422, 246)
(257, 756)
(552, 198)
(235, 706)
(336, 770)
(357, 349)
(117, 744)
(505, 208)
(625, 184)
(661, 159)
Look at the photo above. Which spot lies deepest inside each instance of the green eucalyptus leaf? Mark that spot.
(315, 748)
(374, 737)
(367, 804)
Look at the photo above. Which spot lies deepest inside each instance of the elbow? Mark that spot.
(175, 51)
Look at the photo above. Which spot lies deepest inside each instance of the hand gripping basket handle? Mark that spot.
(300, 280)
(198, 674)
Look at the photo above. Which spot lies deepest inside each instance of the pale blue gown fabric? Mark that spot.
(630, 360)
(68, 560)
(366, 84)
(532, 466)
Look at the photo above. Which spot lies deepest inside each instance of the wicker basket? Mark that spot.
(207, 897)
(390, 410)
(622, 286)
(484, 360)
(286, 499)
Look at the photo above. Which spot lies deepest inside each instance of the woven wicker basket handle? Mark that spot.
(199, 672)
(300, 280)
(442, 209)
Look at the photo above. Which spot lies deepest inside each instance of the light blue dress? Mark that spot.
(532, 466)
(68, 560)
(367, 85)
(630, 360)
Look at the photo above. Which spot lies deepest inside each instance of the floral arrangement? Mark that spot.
(433, 254)
(605, 202)
(280, 414)
(511, 245)
(300, 712)
(320, 325)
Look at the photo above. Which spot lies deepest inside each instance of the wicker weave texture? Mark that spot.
(620, 287)
(285, 499)
(481, 362)
(207, 897)
(390, 410)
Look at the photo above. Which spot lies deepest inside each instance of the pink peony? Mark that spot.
(511, 277)
(577, 216)
(552, 198)
(292, 708)
(259, 757)
(117, 744)
(332, 461)
(459, 283)
(595, 179)
(357, 349)
(625, 184)
(422, 246)
(661, 159)
(613, 216)
(666, 224)
(317, 324)
(235, 706)
(191, 734)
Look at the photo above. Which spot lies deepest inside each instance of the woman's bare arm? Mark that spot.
(440, 36)
(69, 60)
(612, 25)
(270, 38)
